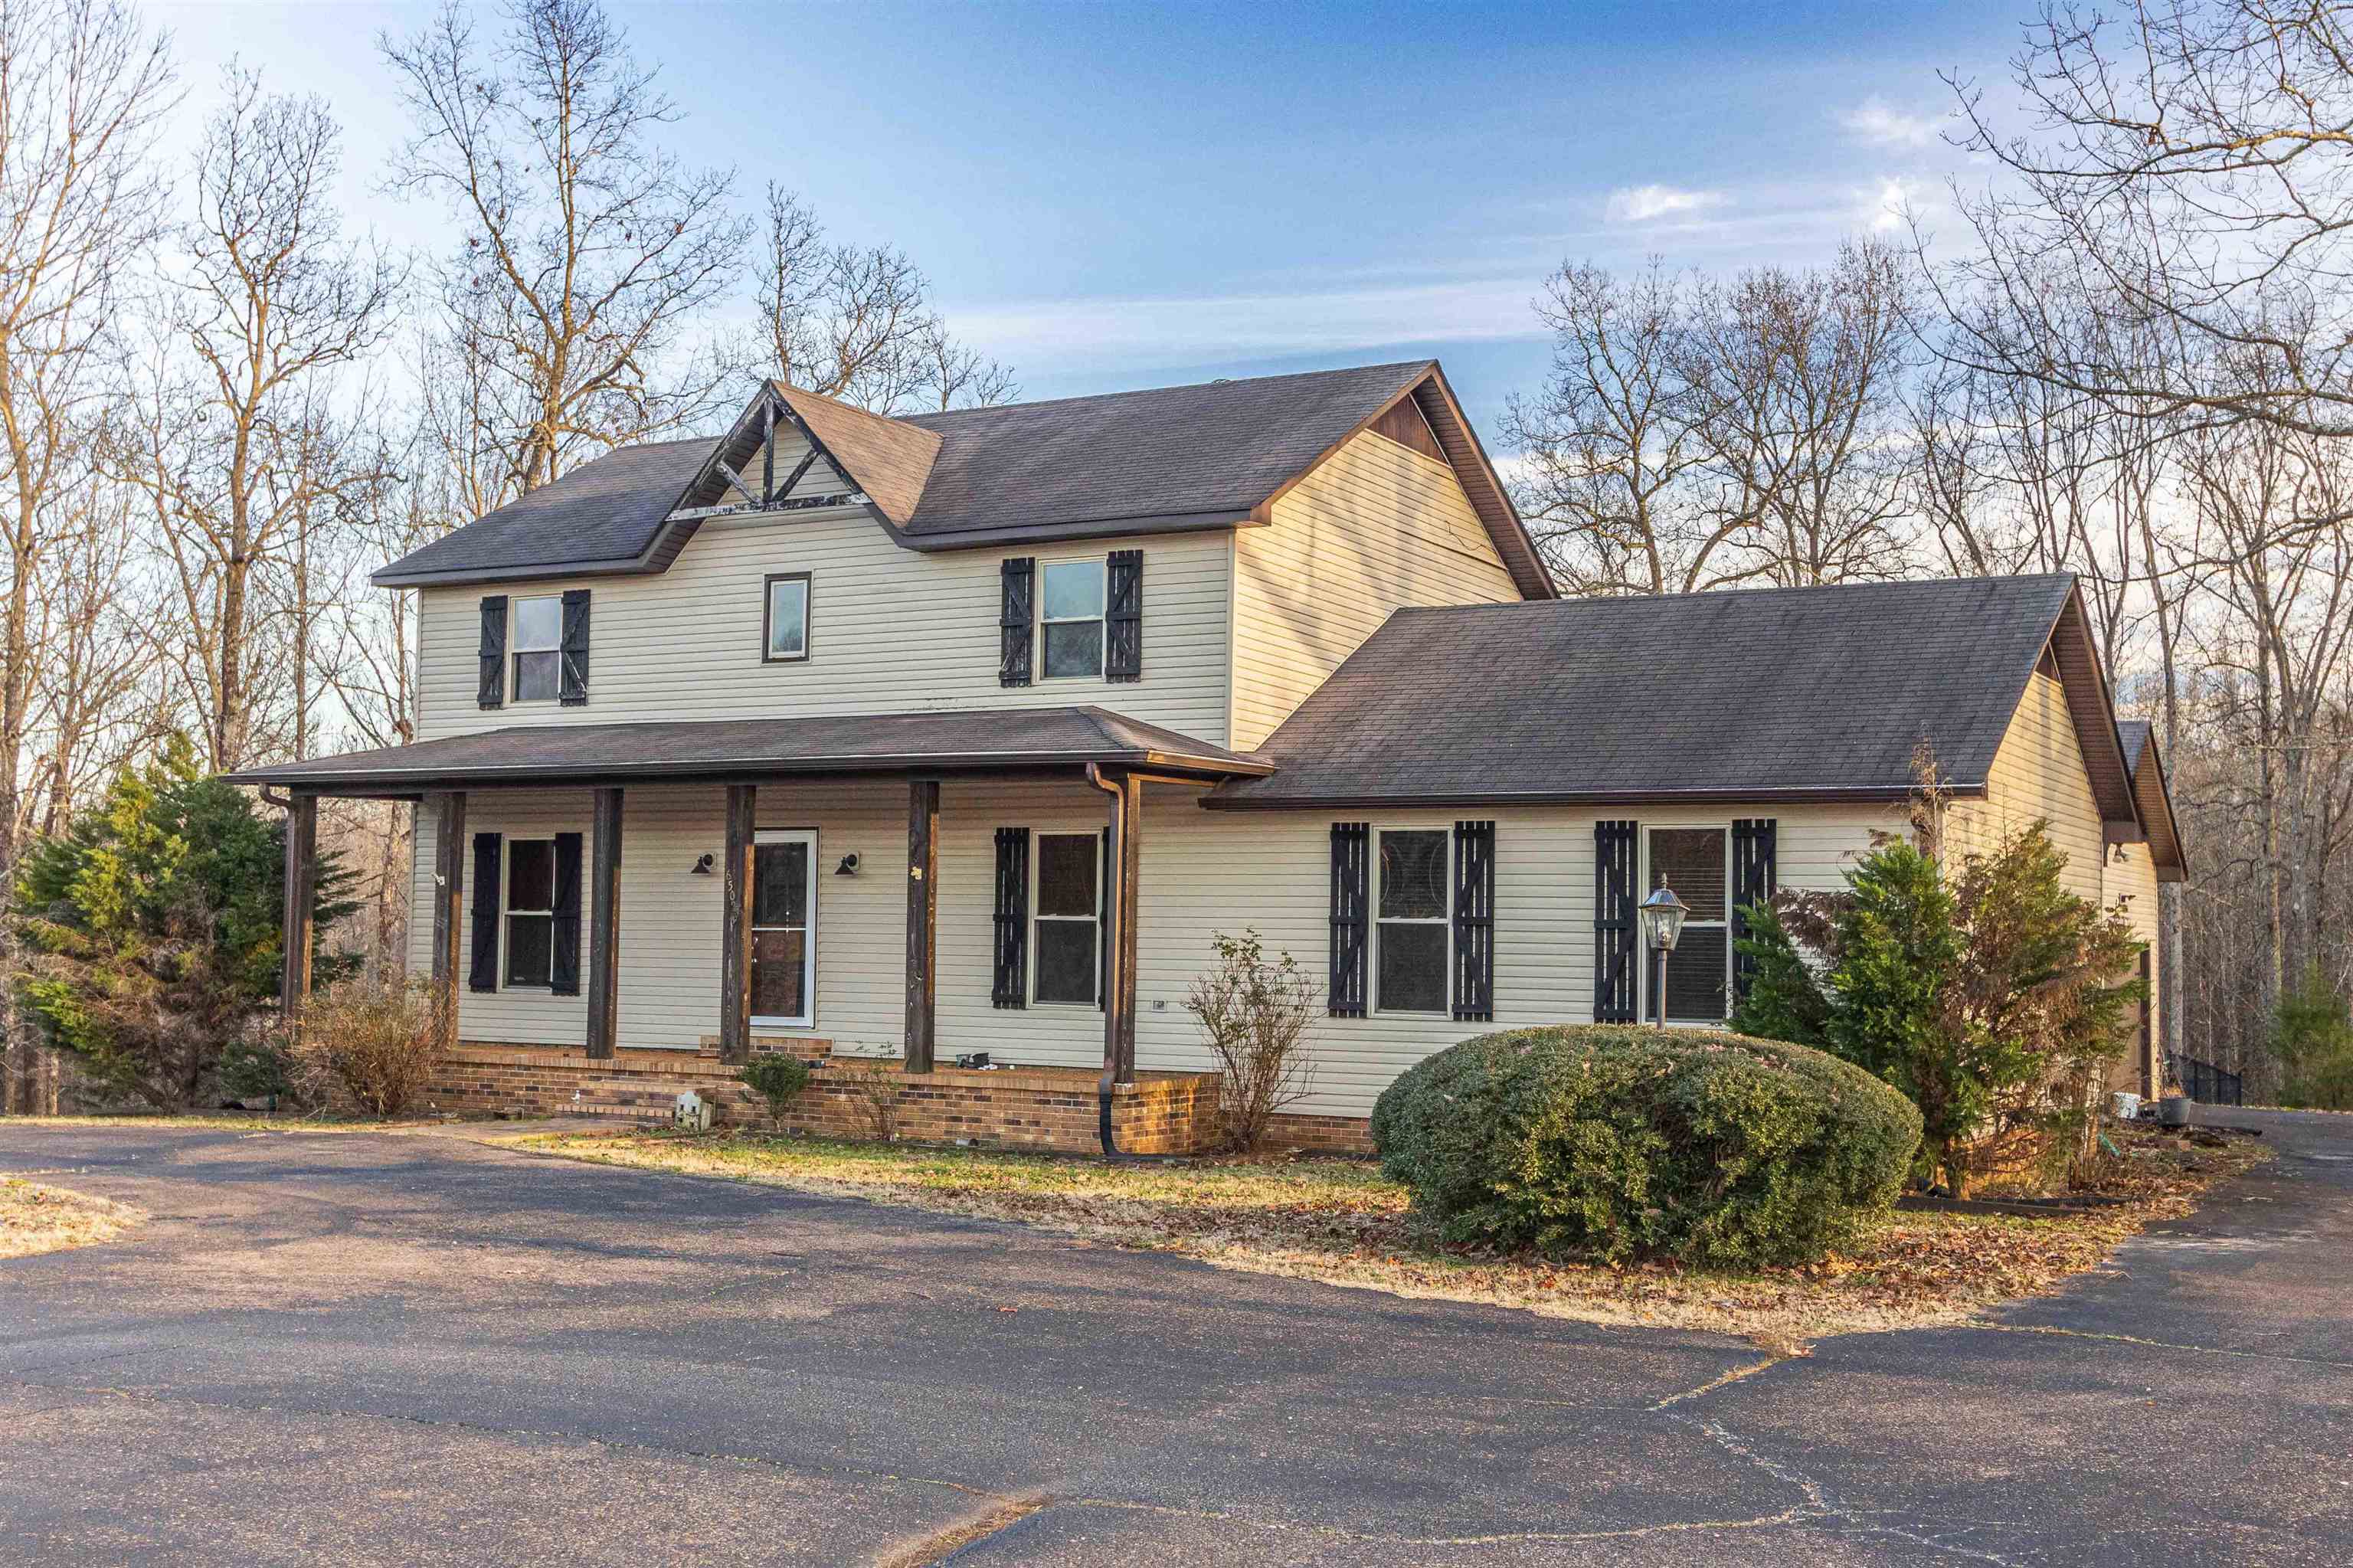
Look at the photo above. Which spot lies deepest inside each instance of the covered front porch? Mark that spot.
(712, 890)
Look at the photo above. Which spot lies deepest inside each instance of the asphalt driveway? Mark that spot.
(353, 1347)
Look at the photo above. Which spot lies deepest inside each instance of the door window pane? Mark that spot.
(780, 884)
(1695, 976)
(779, 974)
(1066, 961)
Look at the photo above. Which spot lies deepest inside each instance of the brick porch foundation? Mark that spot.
(1014, 1108)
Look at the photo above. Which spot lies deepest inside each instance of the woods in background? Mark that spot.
(220, 408)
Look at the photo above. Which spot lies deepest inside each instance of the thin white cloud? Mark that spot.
(1158, 330)
(1895, 204)
(1875, 124)
(1646, 204)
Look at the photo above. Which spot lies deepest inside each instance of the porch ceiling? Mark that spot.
(966, 740)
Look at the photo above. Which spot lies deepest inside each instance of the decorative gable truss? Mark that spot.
(869, 461)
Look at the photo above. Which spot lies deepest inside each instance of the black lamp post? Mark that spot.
(1662, 924)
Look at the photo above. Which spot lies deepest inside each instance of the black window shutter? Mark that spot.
(492, 691)
(1351, 901)
(1016, 575)
(572, 680)
(1124, 620)
(564, 969)
(1754, 875)
(1011, 985)
(1474, 922)
(485, 972)
(1614, 932)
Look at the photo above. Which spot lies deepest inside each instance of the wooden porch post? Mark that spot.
(605, 922)
(922, 920)
(1120, 935)
(302, 889)
(448, 907)
(735, 930)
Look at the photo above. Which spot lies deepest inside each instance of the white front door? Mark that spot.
(784, 928)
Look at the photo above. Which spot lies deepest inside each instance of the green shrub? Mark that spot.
(2314, 1043)
(776, 1077)
(1698, 1144)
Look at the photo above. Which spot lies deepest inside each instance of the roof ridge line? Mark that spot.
(1170, 387)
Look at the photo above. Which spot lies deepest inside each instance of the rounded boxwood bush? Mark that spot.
(1697, 1144)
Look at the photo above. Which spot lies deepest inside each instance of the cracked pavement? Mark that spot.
(360, 1347)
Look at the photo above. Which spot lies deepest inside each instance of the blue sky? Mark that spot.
(1113, 196)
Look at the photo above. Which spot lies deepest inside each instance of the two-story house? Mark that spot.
(966, 732)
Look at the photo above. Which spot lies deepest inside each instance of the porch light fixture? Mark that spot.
(1663, 924)
(703, 864)
(849, 866)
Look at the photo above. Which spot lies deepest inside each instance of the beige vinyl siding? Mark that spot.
(1202, 873)
(2038, 774)
(890, 630)
(1378, 527)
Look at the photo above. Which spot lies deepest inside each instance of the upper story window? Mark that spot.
(784, 622)
(538, 648)
(1070, 619)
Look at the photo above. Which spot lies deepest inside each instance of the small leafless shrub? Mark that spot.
(873, 1095)
(1254, 1012)
(375, 1040)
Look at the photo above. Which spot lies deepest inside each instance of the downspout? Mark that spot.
(283, 802)
(1118, 793)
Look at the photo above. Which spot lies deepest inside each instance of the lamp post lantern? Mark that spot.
(1662, 923)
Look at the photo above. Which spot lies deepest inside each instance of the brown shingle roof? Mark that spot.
(1167, 458)
(979, 738)
(1759, 693)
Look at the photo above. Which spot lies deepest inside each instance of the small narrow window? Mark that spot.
(1068, 918)
(531, 910)
(785, 636)
(1693, 861)
(538, 648)
(1070, 619)
(1410, 959)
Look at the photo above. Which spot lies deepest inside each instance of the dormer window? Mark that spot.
(538, 648)
(1070, 619)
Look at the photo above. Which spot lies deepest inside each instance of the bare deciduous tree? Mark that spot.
(81, 88)
(238, 454)
(858, 324)
(585, 249)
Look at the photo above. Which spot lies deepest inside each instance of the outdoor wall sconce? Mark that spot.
(703, 864)
(849, 866)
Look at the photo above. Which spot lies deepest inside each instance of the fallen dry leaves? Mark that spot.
(37, 1219)
(1341, 1222)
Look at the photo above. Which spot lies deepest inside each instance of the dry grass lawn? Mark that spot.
(1342, 1223)
(36, 1219)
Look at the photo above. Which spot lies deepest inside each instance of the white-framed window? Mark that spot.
(785, 619)
(1412, 928)
(530, 917)
(538, 648)
(1696, 861)
(1066, 918)
(784, 928)
(1070, 619)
